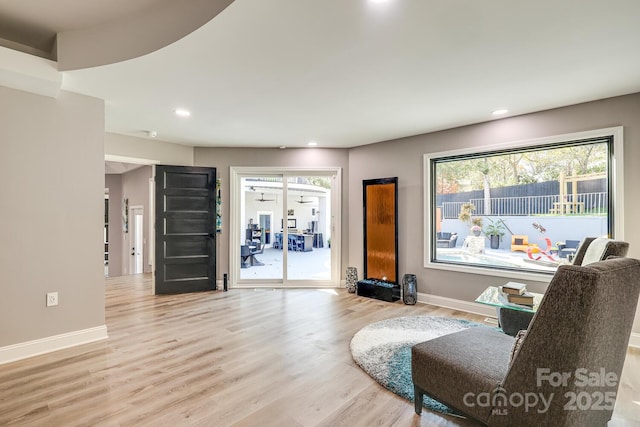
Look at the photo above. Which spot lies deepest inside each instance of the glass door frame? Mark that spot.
(235, 226)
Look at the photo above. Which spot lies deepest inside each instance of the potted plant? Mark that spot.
(495, 231)
(475, 223)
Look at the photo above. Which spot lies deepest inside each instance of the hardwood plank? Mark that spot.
(238, 358)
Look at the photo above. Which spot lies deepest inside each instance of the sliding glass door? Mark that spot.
(308, 228)
(284, 221)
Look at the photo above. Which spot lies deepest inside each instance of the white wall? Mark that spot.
(52, 214)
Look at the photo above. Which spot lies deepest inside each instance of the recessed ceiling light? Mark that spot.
(378, 1)
(500, 112)
(282, 147)
(312, 143)
(180, 112)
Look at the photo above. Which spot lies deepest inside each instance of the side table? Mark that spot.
(512, 317)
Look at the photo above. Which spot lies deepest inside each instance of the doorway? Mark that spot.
(136, 261)
(285, 227)
(105, 232)
(265, 219)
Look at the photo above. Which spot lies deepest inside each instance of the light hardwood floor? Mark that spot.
(237, 358)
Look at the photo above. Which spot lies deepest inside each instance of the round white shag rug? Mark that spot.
(383, 350)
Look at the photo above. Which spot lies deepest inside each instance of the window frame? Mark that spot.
(616, 196)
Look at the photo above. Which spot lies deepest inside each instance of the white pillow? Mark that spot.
(595, 250)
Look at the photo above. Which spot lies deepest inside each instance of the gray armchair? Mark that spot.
(584, 322)
(446, 240)
(591, 249)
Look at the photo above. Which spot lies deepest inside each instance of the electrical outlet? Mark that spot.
(52, 299)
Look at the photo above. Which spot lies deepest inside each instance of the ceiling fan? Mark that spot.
(262, 199)
(304, 201)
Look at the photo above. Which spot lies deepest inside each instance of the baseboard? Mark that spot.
(14, 352)
(634, 340)
(456, 304)
(485, 310)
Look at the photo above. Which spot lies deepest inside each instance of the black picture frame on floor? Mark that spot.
(380, 210)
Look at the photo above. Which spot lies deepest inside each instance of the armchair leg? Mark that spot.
(417, 397)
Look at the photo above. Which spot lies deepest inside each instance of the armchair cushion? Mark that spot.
(480, 367)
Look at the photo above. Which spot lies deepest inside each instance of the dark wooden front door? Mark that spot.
(185, 229)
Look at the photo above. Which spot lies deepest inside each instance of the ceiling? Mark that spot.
(345, 73)
(35, 23)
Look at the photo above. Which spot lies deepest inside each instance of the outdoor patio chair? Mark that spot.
(520, 242)
(277, 244)
(446, 240)
(567, 247)
(245, 254)
(258, 250)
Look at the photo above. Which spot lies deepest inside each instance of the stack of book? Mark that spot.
(517, 294)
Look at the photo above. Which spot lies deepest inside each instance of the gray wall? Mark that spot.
(135, 187)
(114, 184)
(404, 158)
(52, 214)
(224, 158)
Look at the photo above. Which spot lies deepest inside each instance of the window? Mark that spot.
(520, 209)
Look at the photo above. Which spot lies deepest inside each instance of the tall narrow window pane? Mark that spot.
(308, 228)
(260, 253)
